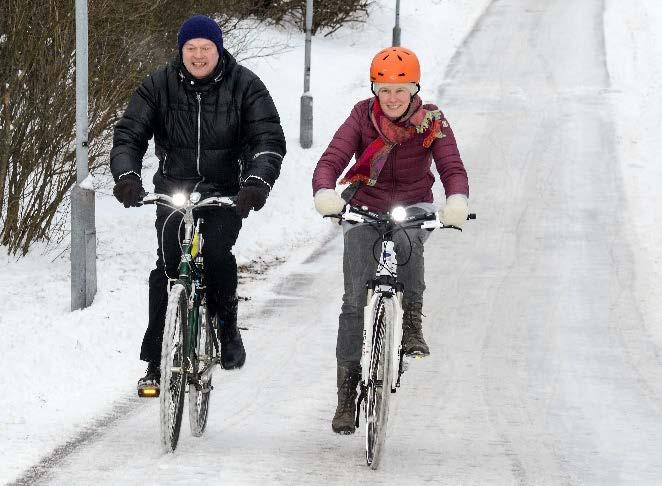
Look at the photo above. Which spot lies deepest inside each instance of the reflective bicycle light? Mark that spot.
(148, 392)
(195, 197)
(179, 199)
(399, 213)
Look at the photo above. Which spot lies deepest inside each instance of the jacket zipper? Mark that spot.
(393, 157)
(197, 158)
(165, 167)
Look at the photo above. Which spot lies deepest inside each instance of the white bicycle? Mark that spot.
(382, 359)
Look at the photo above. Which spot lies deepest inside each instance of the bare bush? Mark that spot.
(328, 15)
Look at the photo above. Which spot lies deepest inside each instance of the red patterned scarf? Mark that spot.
(416, 120)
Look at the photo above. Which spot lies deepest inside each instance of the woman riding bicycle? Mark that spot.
(394, 137)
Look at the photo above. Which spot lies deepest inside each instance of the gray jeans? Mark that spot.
(359, 266)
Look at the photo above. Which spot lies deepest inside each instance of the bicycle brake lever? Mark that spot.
(149, 198)
(351, 217)
(226, 200)
(432, 224)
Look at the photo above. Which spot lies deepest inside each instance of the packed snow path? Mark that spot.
(541, 370)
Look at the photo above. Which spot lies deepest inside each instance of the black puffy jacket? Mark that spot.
(218, 131)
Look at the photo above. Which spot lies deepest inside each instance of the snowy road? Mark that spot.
(541, 371)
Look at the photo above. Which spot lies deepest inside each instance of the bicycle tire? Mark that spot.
(379, 381)
(199, 394)
(173, 371)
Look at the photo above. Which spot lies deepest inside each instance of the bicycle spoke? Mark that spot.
(379, 381)
(199, 392)
(173, 372)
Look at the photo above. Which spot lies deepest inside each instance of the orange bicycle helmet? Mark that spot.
(395, 65)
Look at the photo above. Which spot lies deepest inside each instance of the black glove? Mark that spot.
(251, 196)
(129, 190)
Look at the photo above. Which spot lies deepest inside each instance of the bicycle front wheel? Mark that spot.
(173, 370)
(199, 392)
(379, 381)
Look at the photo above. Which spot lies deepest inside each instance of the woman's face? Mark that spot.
(394, 101)
(200, 57)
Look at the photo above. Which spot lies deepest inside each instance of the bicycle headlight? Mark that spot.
(399, 214)
(195, 197)
(179, 199)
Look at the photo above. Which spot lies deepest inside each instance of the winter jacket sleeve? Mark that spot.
(343, 146)
(133, 130)
(262, 133)
(449, 163)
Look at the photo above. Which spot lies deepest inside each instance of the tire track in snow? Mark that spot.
(89, 434)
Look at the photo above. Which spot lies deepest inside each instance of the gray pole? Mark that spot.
(306, 127)
(396, 29)
(83, 231)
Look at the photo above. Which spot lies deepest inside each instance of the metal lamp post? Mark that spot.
(306, 126)
(396, 29)
(83, 232)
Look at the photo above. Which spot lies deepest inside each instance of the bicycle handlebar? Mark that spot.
(211, 200)
(430, 220)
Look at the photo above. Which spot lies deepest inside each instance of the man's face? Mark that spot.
(200, 57)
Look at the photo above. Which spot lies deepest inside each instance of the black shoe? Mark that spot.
(233, 354)
(413, 343)
(344, 419)
(149, 385)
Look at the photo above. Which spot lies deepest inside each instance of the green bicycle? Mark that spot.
(190, 349)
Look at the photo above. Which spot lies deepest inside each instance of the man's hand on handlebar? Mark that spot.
(129, 190)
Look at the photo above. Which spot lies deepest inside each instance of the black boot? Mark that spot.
(347, 381)
(149, 385)
(413, 343)
(233, 354)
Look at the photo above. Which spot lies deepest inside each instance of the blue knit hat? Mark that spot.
(200, 27)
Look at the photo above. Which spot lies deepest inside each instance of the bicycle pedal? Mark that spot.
(149, 392)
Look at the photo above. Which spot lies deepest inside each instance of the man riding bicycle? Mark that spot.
(395, 137)
(215, 128)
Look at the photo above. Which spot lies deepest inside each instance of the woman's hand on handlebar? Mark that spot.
(328, 202)
(456, 210)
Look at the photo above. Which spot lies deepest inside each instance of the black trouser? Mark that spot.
(220, 230)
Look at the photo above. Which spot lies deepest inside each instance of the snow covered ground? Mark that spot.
(634, 47)
(63, 369)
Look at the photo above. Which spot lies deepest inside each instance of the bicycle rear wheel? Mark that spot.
(379, 381)
(199, 393)
(173, 370)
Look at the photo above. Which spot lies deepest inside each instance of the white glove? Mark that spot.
(455, 211)
(328, 202)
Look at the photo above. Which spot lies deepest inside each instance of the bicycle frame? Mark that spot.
(190, 346)
(382, 363)
(384, 286)
(189, 272)
(192, 280)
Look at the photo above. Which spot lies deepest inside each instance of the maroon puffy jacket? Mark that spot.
(406, 177)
